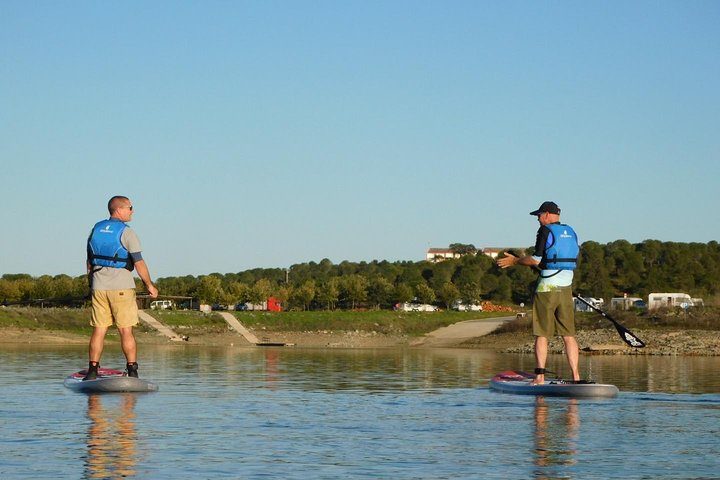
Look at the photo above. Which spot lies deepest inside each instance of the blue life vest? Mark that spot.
(562, 254)
(104, 248)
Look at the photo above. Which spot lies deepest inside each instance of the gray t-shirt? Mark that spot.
(109, 278)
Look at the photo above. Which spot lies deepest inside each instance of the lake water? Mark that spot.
(301, 413)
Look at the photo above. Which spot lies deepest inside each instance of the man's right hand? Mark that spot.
(508, 260)
(152, 290)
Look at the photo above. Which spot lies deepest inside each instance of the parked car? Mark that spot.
(161, 304)
(467, 307)
(219, 307)
(416, 307)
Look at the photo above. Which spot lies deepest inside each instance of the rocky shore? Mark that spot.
(607, 342)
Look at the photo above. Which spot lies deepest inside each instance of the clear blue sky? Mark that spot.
(263, 133)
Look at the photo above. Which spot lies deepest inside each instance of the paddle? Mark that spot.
(627, 336)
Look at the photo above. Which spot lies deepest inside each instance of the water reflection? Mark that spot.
(272, 367)
(556, 435)
(366, 370)
(112, 438)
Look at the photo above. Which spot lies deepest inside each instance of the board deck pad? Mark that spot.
(108, 380)
(520, 383)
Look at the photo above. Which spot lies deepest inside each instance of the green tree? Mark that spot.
(470, 292)
(44, 287)
(303, 294)
(9, 291)
(449, 294)
(260, 292)
(283, 293)
(403, 293)
(522, 283)
(235, 292)
(81, 286)
(210, 290)
(463, 249)
(63, 286)
(380, 291)
(328, 293)
(354, 289)
(503, 291)
(412, 274)
(593, 278)
(424, 293)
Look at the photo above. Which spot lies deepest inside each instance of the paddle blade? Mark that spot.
(629, 337)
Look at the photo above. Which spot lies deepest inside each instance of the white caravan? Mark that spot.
(659, 300)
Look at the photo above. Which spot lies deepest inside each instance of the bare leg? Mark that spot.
(541, 349)
(97, 342)
(127, 340)
(572, 353)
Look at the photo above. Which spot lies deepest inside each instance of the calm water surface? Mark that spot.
(294, 413)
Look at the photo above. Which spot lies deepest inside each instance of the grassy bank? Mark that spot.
(381, 321)
(71, 320)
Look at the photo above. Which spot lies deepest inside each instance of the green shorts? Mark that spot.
(554, 313)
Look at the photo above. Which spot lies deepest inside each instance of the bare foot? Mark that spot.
(539, 379)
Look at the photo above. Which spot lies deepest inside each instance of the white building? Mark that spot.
(439, 254)
(435, 255)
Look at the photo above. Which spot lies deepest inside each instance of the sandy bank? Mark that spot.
(322, 339)
(605, 341)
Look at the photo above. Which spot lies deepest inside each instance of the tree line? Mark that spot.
(604, 270)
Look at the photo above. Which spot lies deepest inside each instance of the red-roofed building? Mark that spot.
(439, 254)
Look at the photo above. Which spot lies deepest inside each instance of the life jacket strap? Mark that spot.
(112, 259)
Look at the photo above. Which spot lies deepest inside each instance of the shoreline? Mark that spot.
(667, 342)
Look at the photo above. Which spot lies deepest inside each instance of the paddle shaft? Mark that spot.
(626, 335)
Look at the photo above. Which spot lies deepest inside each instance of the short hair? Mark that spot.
(114, 203)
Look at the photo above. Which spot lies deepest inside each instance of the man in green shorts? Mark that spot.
(113, 252)
(555, 255)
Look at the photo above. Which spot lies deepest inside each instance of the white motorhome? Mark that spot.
(698, 302)
(659, 300)
(582, 307)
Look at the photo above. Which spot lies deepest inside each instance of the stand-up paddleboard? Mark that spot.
(521, 383)
(108, 381)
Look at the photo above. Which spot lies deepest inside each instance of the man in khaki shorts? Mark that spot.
(556, 253)
(113, 252)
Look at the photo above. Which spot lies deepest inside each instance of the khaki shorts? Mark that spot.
(554, 313)
(114, 307)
